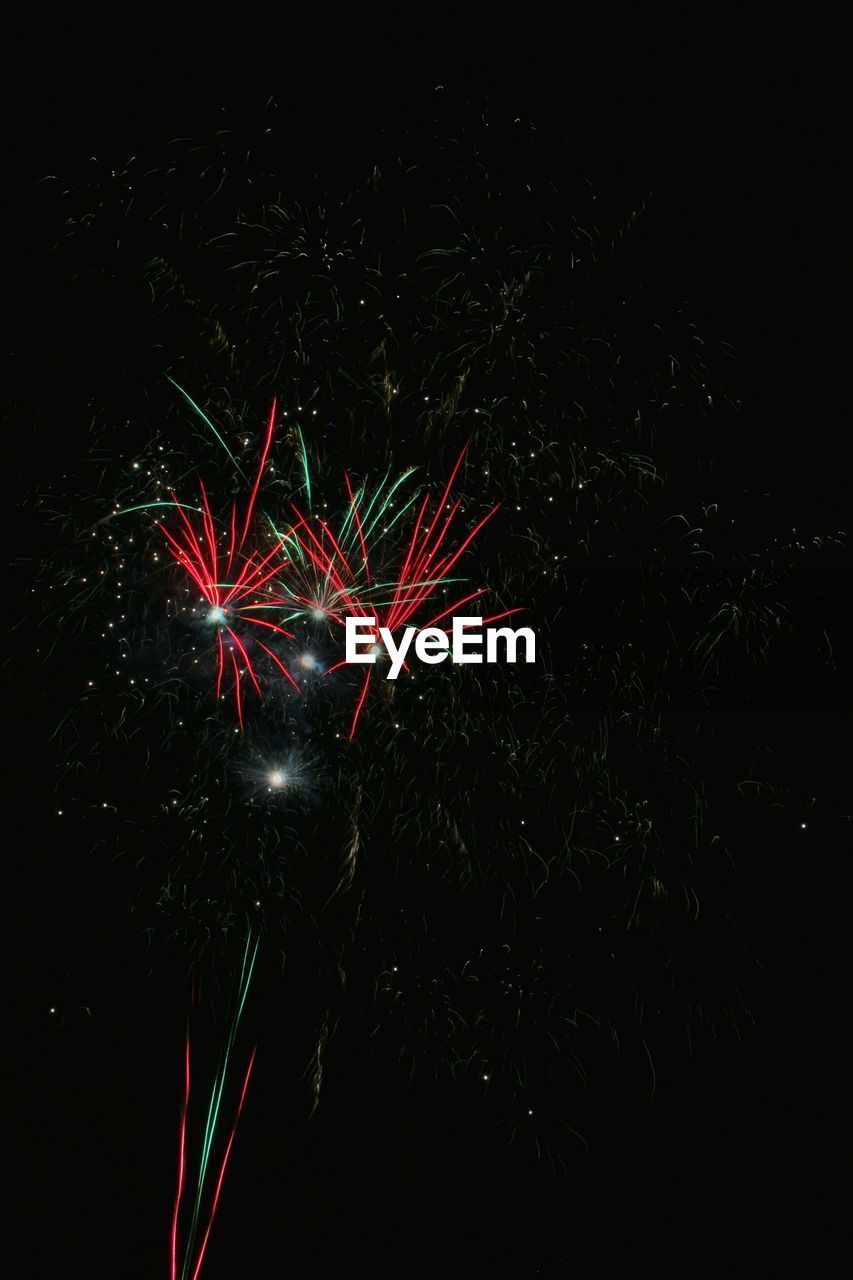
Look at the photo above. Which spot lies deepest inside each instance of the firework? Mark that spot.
(393, 593)
(235, 585)
(214, 1113)
(527, 851)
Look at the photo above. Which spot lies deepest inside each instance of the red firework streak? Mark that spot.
(234, 585)
(195, 1222)
(224, 1166)
(430, 556)
(174, 1268)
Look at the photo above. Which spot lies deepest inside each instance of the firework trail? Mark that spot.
(214, 1112)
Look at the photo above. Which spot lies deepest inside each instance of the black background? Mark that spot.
(736, 133)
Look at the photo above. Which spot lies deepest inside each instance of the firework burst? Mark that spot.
(402, 586)
(235, 585)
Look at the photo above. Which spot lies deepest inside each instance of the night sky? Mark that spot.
(544, 954)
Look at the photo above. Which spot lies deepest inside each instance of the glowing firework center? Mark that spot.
(433, 644)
